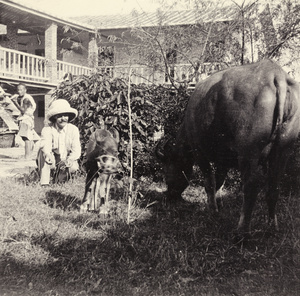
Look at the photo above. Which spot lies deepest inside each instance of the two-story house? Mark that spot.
(38, 48)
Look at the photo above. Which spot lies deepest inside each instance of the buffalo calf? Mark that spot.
(101, 162)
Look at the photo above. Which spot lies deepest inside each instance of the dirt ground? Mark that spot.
(13, 163)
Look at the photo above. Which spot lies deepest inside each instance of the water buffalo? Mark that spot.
(245, 117)
(101, 162)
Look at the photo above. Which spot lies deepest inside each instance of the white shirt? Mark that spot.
(65, 142)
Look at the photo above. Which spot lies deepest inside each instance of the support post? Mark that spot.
(51, 52)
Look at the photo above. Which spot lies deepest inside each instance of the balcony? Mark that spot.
(27, 67)
(75, 70)
(22, 66)
(180, 73)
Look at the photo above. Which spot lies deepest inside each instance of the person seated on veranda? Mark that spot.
(60, 142)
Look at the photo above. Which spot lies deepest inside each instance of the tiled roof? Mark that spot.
(166, 18)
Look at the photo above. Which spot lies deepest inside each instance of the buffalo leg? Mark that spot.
(88, 186)
(179, 184)
(252, 185)
(210, 188)
(95, 197)
(220, 175)
(107, 189)
(104, 193)
(277, 165)
(209, 183)
(89, 194)
(84, 207)
(250, 195)
(102, 189)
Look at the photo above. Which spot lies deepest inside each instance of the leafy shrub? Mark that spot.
(102, 103)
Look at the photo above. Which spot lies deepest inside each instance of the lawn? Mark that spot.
(48, 248)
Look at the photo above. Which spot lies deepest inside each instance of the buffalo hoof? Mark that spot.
(220, 204)
(175, 203)
(104, 210)
(271, 230)
(241, 237)
(213, 208)
(83, 209)
(273, 224)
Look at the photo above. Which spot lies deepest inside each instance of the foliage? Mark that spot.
(287, 24)
(161, 47)
(252, 30)
(102, 103)
(248, 32)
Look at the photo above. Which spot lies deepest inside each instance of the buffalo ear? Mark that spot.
(99, 135)
(115, 134)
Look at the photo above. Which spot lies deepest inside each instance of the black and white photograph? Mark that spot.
(150, 147)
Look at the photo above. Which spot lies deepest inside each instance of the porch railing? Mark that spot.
(25, 66)
(64, 68)
(178, 72)
(20, 65)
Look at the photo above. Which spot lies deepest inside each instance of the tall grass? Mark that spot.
(48, 248)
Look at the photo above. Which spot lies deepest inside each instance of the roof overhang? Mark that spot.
(35, 21)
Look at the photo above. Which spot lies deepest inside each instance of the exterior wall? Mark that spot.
(74, 58)
(31, 44)
(39, 114)
(55, 45)
(193, 52)
(120, 57)
(35, 44)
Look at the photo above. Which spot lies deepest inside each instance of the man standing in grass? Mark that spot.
(60, 146)
(26, 104)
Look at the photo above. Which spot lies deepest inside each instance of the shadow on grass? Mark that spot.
(176, 251)
(2, 156)
(58, 200)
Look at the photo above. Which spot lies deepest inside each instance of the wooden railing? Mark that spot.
(28, 67)
(139, 74)
(20, 65)
(64, 68)
(24, 66)
(178, 72)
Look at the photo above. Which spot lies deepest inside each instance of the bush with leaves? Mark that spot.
(102, 103)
